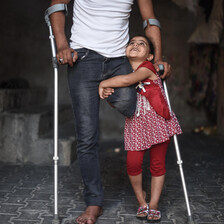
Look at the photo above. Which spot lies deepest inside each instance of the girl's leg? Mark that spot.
(156, 190)
(136, 183)
(134, 170)
(158, 170)
(123, 99)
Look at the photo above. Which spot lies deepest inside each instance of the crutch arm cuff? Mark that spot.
(53, 9)
(152, 22)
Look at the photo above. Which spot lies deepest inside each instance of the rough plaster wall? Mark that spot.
(25, 52)
(25, 47)
(177, 26)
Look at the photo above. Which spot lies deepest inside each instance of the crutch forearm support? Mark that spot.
(179, 161)
(48, 12)
(53, 9)
(152, 22)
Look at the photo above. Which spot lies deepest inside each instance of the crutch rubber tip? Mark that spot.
(56, 221)
(190, 220)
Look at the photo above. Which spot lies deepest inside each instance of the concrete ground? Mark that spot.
(26, 191)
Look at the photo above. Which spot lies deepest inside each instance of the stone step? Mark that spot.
(66, 146)
(65, 130)
(27, 136)
(39, 120)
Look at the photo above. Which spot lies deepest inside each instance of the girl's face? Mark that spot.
(138, 48)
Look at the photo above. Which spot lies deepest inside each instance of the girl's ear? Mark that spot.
(150, 57)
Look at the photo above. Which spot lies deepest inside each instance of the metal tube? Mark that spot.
(179, 162)
(56, 157)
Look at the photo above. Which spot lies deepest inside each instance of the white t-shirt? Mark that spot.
(101, 25)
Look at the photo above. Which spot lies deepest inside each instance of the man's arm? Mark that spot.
(153, 33)
(58, 26)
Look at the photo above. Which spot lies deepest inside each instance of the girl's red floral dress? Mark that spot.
(146, 127)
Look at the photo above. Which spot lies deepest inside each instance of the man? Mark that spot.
(97, 51)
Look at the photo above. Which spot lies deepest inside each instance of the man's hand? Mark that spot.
(167, 69)
(67, 55)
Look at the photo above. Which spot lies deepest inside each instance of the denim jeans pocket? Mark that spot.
(82, 53)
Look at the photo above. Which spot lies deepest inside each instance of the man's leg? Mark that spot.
(123, 99)
(84, 78)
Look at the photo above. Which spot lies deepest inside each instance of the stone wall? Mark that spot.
(220, 109)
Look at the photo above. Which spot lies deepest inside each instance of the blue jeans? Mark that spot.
(84, 78)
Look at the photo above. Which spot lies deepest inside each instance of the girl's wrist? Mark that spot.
(103, 84)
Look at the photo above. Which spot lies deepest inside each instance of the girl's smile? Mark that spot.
(134, 49)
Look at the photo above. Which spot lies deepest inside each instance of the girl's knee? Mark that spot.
(157, 167)
(158, 159)
(156, 172)
(134, 169)
(134, 162)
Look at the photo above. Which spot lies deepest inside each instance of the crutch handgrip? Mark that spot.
(161, 69)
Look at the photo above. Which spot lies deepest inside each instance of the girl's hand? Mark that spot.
(101, 91)
(105, 92)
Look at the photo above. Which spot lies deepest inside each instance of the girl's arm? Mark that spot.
(126, 80)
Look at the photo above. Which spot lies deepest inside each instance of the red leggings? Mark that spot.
(157, 156)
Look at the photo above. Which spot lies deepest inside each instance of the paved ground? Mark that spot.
(26, 191)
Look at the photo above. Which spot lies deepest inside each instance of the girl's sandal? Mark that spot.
(154, 216)
(142, 212)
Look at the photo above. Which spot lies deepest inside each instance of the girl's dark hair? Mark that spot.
(149, 42)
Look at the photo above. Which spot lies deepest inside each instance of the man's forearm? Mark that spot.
(152, 32)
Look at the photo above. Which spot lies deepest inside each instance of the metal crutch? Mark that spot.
(48, 12)
(179, 161)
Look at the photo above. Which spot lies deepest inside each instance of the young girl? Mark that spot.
(151, 127)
